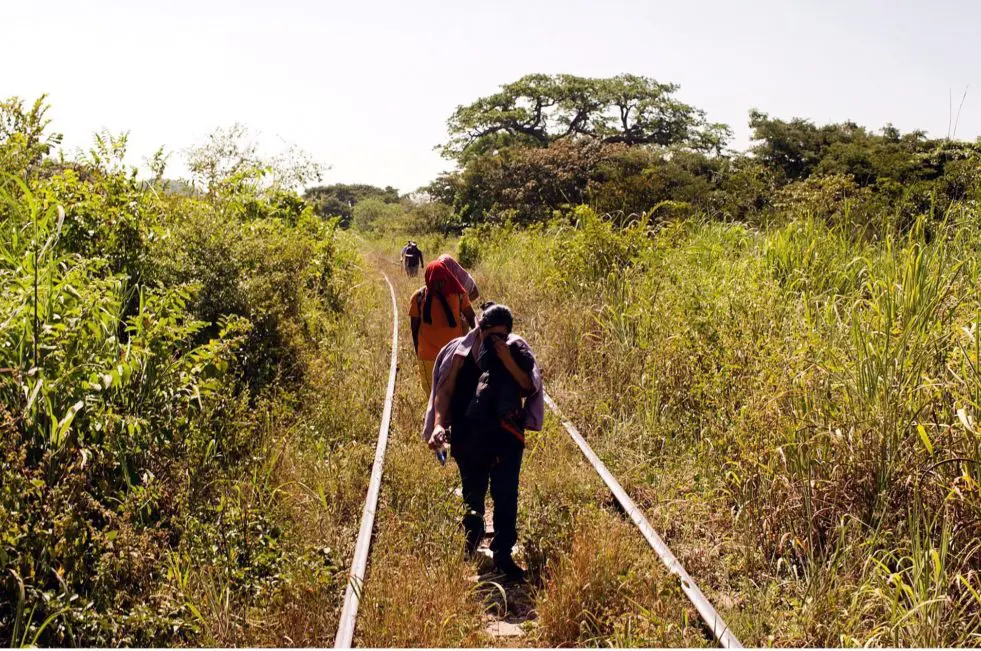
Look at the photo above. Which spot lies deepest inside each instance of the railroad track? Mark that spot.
(352, 597)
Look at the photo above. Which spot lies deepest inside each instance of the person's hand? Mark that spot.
(501, 347)
(438, 438)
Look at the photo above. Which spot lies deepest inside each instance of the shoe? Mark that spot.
(510, 569)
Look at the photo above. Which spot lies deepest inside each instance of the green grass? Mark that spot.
(182, 461)
(789, 405)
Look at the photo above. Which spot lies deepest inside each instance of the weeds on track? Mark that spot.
(420, 591)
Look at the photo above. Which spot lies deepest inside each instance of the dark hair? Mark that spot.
(496, 315)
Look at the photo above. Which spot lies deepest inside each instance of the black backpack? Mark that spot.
(412, 253)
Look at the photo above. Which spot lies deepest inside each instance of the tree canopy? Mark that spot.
(230, 161)
(338, 200)
(539, 109)
(523, 167)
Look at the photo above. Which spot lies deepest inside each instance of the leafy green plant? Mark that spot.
(149, 341)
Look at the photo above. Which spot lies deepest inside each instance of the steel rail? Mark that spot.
(705, 609)
(352, 596)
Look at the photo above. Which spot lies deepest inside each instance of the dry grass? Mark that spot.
(421, 592)
(317, 454)
(689, 381)
(610, 589)
(788, 406)
(416, 592)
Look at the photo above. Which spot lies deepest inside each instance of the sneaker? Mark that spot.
(510, 569)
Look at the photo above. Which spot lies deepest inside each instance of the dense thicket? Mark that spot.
(146, 341)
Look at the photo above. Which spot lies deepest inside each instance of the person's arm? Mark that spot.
(470, 316)
(441, 404)
(466, 310)
(416, 322)
(519, 375)
(474, 292)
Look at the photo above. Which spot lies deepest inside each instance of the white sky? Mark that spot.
(366, 87)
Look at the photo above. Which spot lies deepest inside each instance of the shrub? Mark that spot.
(145, 339)
(468, 248)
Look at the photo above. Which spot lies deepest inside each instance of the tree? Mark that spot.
(530, 182)
(338, 200)
(373, 214)
(793, 148)
(23, 141)
(796, 149)
(230, 162)
(430, 217)
(633, 180)
(228, 157)
(443, 188)
(541, 109)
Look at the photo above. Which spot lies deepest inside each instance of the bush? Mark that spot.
(110, 412)
(147, 340)
(468, 248)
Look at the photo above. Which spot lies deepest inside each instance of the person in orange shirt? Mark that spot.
(439, 312)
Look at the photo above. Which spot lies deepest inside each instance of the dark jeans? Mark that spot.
(500, 470)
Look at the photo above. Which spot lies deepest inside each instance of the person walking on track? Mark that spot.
(439, 311)
(411, 258)
(487, 444)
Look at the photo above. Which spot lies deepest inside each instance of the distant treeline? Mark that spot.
(626, 145)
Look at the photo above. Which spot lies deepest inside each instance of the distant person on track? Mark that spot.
(439, 312)
(487, 440)
(462, 275)
(411, 259)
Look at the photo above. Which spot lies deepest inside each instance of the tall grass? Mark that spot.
(180, 456)
(821, 387)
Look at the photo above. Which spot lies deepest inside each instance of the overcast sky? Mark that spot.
(367, 86)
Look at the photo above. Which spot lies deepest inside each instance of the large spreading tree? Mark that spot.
(539, 109)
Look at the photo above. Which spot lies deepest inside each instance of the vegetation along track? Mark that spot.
(349, 614)
(501, 609)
